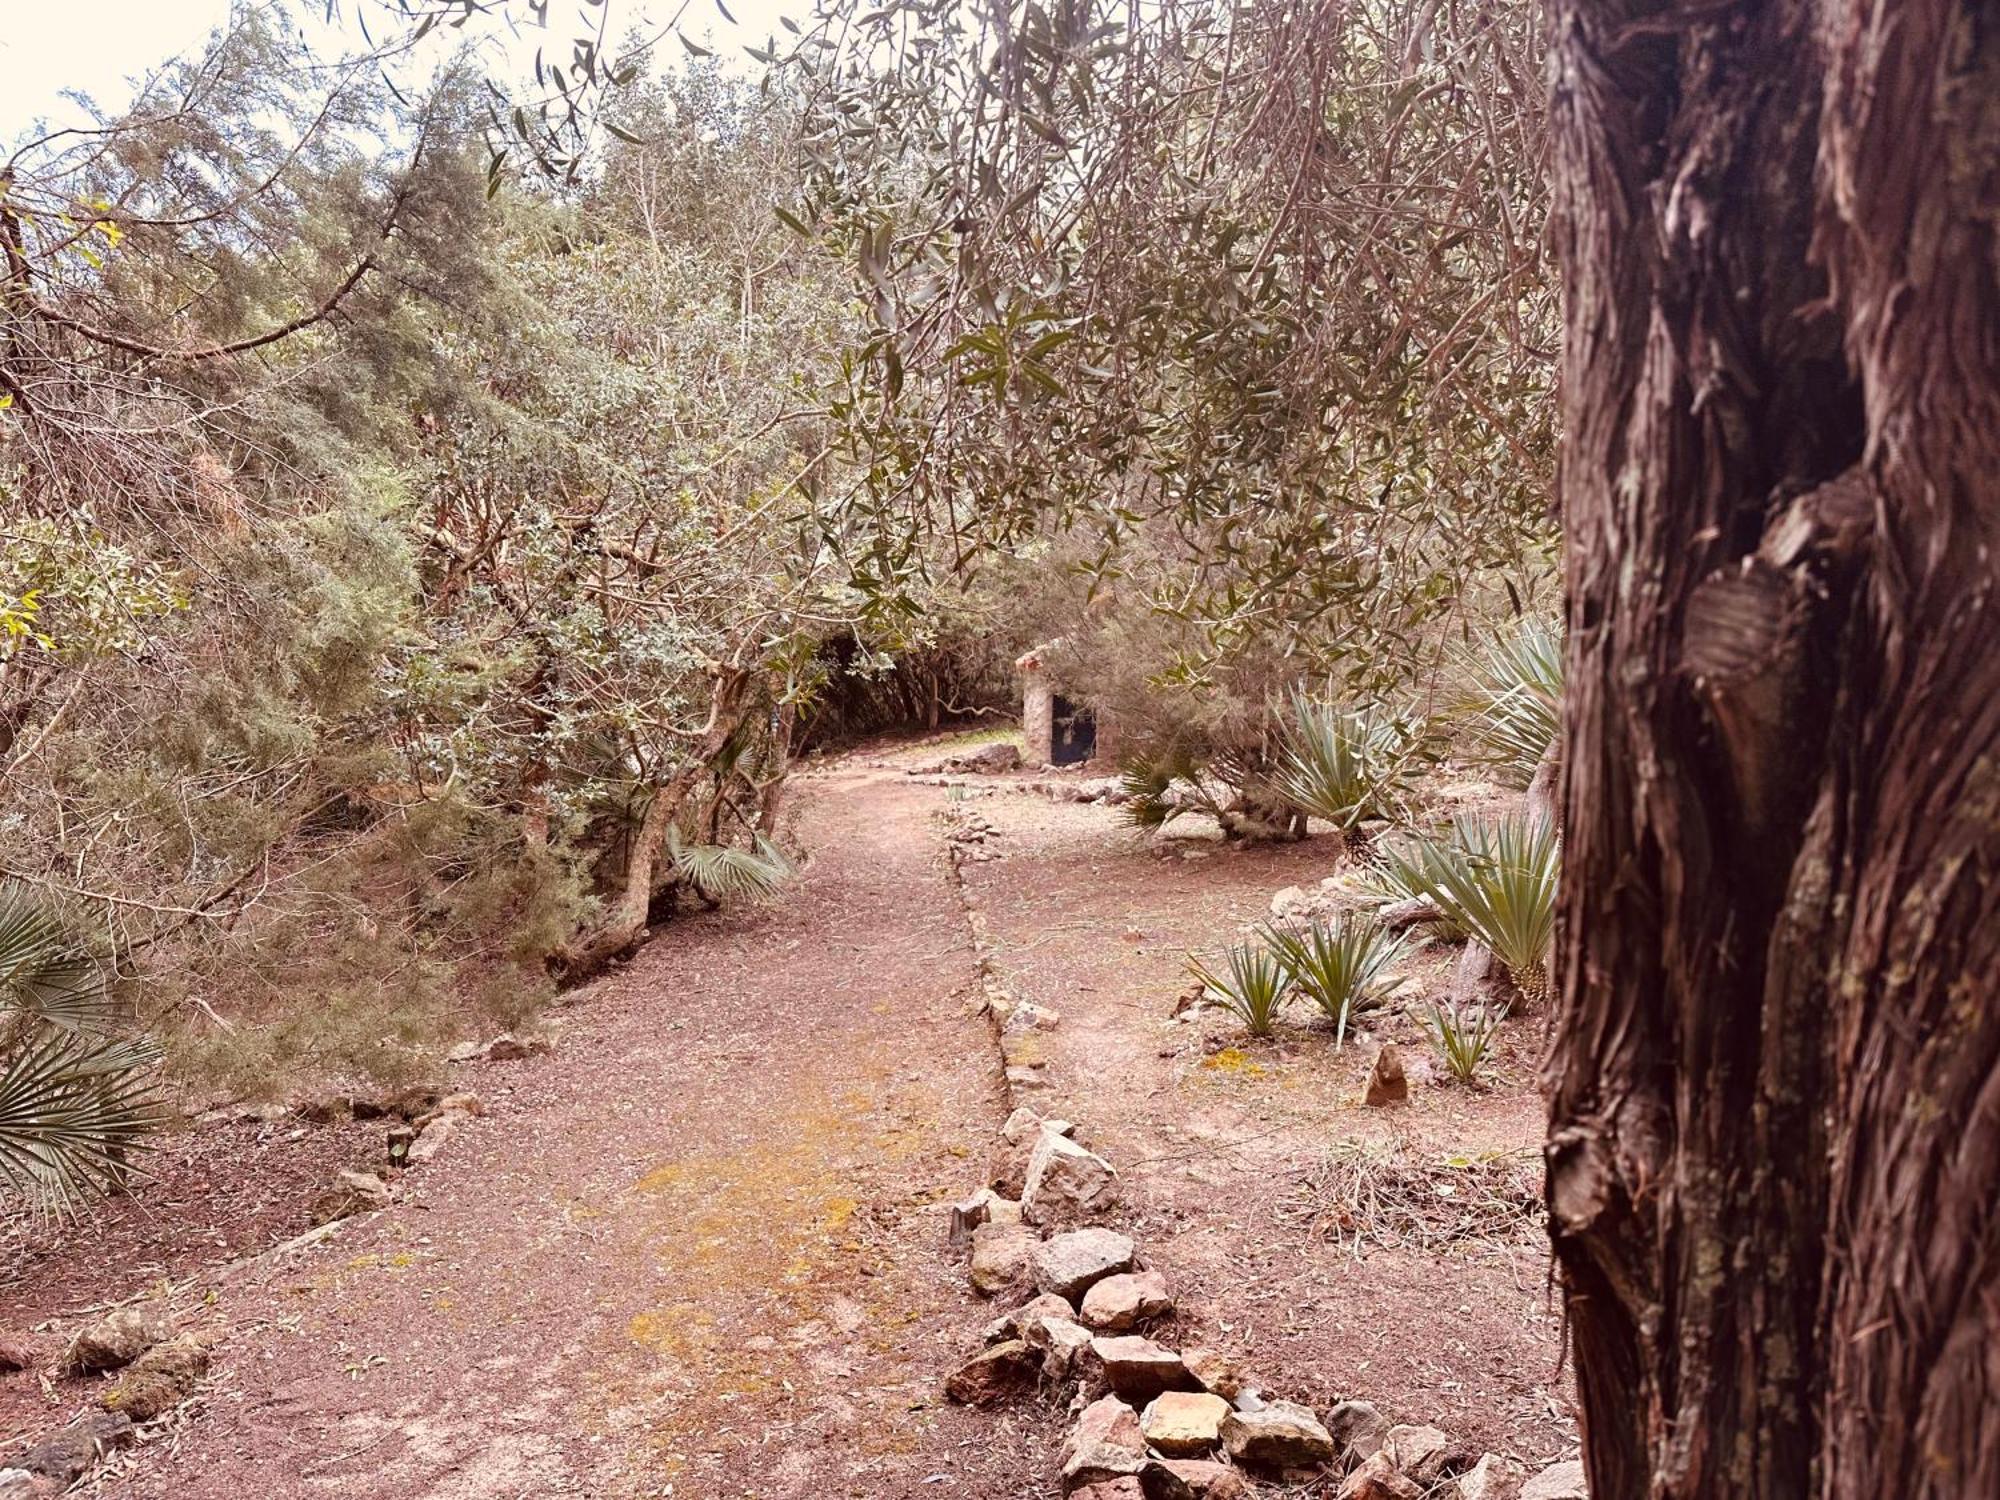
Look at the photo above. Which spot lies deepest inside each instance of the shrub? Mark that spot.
(1497, 881)
(719, 870)
(1463, 1035)
(1514, 704)
(1342, 765)
(1254, 987)
(1339, 966)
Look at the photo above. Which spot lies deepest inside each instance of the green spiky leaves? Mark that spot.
(1342, 765)
(1514, 704)
(1496, 881)
(1253, 984)
(1341, 965)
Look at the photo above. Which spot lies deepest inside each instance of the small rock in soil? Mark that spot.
(1358, 1429)
(993, 1375)
(507, 1047)
(16, 1353)
(1071, 1264)
(1066, 1181)
(436, 1135)
(1139, 1369)
(67, 1455)
(1563, 1481)
(349, 1193)
(1191, 1479)
(1277, 1437)
(1000, 1255)
(1387, 1083)
(117, 1339)
(1418, 1453)
(1377, 1479)
(967, 1215)
(19, 1484)
(1119, 1303)
(1184, 1424)
(1216, 1371)
(1105, 1444)
(1007, 1168)
(1027, 1016)
(1022, 1126)
(1063, 1345)
(1492, 1478)
(159, 1380)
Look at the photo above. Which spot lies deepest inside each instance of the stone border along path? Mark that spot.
(1151, 1422)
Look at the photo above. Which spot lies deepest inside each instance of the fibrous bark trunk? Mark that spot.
(1775, 1078)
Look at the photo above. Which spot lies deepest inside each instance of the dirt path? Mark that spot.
(695, 1251)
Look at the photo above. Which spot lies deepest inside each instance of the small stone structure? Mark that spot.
(1057, 730)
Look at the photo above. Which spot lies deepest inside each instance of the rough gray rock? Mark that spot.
(68, 1454)
(1184, 1424)
(1120, 1303)
(1418, 1453)
(1563, 1481)
(1066, 1181)
(1105, 1445)
(1377, 1479)
(1216, 1371)
(994, 1374)
(1071, 1264)
(118, 1338)
(1277, 1437)
(1000, 1256)
(1358, 1429)
(1139, 1369)
(1492, 1478)
(349, 1193)
(1010, 1324)
(158, 1380)
(1191, 1479)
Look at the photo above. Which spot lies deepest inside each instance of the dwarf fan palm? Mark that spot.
(74, 1101)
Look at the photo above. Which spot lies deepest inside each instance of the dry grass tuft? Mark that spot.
(1361, 1194)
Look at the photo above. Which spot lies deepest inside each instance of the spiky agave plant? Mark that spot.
(1341, 966)
(720, 870)
(1463, 1036)
(1339, 764)
(1513, 701)
(75, 1100)
(1253, 987)
(1497, 881)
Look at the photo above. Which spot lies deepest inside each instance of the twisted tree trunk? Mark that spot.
(1775, 1082)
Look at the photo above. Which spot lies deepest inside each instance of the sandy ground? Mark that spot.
(698, 1249)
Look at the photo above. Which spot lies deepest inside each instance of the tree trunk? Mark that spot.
(1775, 1076)
(624, 923)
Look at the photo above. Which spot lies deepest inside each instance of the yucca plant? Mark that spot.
(1253, 988)
(75, 1101)
(1497, 882)
(720, 870)
(1341, 765)
(1513, 704)
(1462, 1035)
(1386, 881)
(1341, 966)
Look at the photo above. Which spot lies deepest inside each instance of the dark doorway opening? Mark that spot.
(1074, 736)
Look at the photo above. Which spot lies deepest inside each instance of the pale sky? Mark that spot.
(47, 46)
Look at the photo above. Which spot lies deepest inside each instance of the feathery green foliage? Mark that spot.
(1463, 1035)
(1255, 985)
(1341, 966)
(74, 1102)
(1495, 880)
(1514, 703)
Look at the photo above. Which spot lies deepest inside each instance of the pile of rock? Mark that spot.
(1155, 1422)
(410, 1142)
(155, 1369)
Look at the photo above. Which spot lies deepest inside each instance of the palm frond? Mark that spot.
(1341, 966)
(45, 974)
(1497, 881)
(72, 1109)
(719, 870)
(1162, 785)
(1513, 705)
(1340, 765)
(1253, 988)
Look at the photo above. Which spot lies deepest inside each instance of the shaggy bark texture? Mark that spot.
(1775, 1081)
